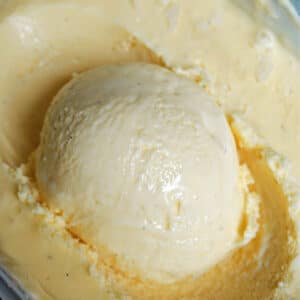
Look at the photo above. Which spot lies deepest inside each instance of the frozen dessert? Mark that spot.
(144, 164)
(149, 150)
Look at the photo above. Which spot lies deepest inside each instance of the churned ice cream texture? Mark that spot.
(82, 245)
(143, 163)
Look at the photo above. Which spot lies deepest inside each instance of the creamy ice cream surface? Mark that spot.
(145, 165)
(148, 150)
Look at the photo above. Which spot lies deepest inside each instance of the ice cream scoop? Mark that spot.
(144, 166)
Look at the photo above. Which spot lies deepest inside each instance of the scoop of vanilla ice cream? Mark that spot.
(144, 165)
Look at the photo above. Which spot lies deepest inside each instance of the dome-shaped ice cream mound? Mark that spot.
(144, 165)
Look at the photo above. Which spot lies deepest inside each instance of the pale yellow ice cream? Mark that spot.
(143, 163)
(52, 245)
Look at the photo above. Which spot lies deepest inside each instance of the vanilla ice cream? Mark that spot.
(150, 149)
(143, 163)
